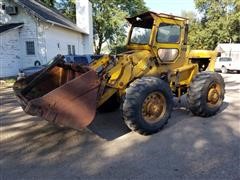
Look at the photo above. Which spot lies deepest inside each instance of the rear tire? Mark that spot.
(147, 105)
(206, 94)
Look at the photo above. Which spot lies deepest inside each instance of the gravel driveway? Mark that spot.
(189, 147)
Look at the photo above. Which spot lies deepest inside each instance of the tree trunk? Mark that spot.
(98, 47)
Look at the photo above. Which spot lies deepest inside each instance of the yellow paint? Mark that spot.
(143, 60)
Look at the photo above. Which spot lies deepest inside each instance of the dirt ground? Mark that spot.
(189, 147)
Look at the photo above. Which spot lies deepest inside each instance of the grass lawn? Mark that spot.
(7, 82)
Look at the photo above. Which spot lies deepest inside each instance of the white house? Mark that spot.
(229, 50)
(32, 34)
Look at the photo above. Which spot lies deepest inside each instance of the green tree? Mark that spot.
(67, 8)
(49, 3)
(109, 21)
(194, 37)
(191, 15)
(220, 23)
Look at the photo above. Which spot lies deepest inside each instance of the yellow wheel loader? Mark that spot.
(157, 67)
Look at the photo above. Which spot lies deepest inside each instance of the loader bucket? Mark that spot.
(65, 94)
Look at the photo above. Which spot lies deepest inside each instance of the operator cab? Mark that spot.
(165, 34)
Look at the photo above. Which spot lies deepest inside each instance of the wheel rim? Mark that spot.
(214, 95)
(154, 107)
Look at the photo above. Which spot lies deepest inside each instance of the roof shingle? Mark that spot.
(46, 14)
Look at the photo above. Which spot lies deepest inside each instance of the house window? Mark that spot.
(30, 48)
(71, 49)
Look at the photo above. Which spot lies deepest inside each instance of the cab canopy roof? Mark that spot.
(149, 16)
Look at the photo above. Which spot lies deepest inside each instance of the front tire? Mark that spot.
(206, 94)
(147, 105)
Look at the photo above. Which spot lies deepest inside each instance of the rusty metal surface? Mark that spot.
(37, 77)
(72, 104)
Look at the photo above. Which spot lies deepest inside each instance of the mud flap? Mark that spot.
(72, 104)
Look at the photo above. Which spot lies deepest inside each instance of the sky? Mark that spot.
(174, 7)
